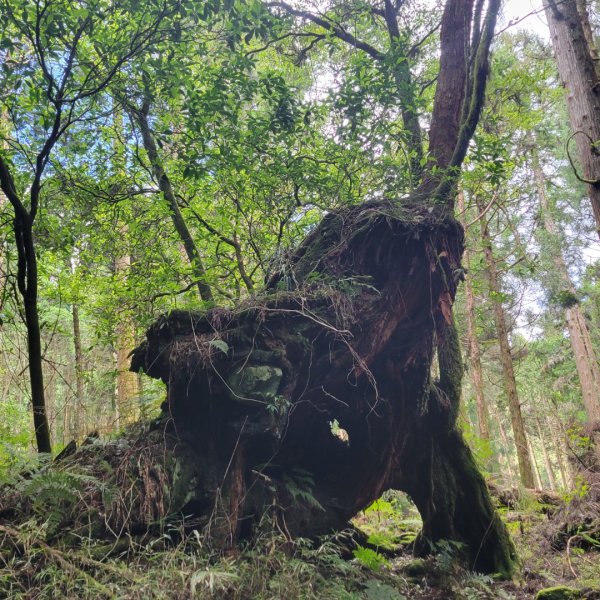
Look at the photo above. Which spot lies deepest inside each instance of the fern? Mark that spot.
(300, 484)
(370, 558)
(53, 494)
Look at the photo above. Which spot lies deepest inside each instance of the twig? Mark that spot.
(573, 537)
(583, 179)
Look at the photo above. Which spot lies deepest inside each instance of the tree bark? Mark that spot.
(127, 393)
(560, 447)
(577, 71)
(4, 128)
(509, 381)
(584, 15)
(28, 287)
(536, 468)
(452, 81)
(512, 478)
(579, 334)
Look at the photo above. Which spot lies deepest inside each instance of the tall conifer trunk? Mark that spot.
(474, 352)
(508, 372)
(547, 463)
(578, 72)
(586, 360)
(126, 392)
(78, 417)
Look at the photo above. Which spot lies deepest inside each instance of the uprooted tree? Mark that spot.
(344, 333)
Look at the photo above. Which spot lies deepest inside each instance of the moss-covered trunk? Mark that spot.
(300, 407)
(345, 334)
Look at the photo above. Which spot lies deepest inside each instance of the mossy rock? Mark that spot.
(559, 592)
(416, 569)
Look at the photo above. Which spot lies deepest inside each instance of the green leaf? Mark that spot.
(221, 345)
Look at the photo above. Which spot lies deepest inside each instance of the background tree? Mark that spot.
(574, 52)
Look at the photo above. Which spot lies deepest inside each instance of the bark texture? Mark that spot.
(584, 15)
(346, 332)
(586, 361)
(578, 73)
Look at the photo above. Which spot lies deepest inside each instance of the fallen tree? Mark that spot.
(342, 340)
(344, 335)
(300, 406)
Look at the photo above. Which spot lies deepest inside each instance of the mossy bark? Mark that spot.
(346, 331)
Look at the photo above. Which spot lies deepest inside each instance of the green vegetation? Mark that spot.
(286, 181)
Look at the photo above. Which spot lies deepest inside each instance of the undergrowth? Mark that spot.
(174, 562)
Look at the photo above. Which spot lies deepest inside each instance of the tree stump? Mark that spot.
(342, 339)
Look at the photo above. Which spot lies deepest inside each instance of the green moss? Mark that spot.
(185, 471)
(416, 569)
(451, 369)
(258, 383)
(559, 592)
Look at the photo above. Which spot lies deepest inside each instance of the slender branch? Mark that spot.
(577, 175)
(412, 52)
(335, 29)
(482, 214)
(8, 187)
(299, 34)
(183, 290)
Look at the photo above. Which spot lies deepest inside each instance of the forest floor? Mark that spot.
(174, 566)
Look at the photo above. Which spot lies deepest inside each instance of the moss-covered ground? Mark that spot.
(179, 565)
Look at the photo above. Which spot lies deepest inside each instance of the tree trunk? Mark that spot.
(198, 270)
(544, 443)
(577, 71)
(585, 360)
(4, 128)
(79, 410)
(452, 82)
(536, 468)
(474, 352)
(27, 283)
(127, 393)
(584, 15)
(252, 385)
(510, 384)
(560, 447)
(506, 445)
(579, 334)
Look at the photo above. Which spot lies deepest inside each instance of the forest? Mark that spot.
(300, 299)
